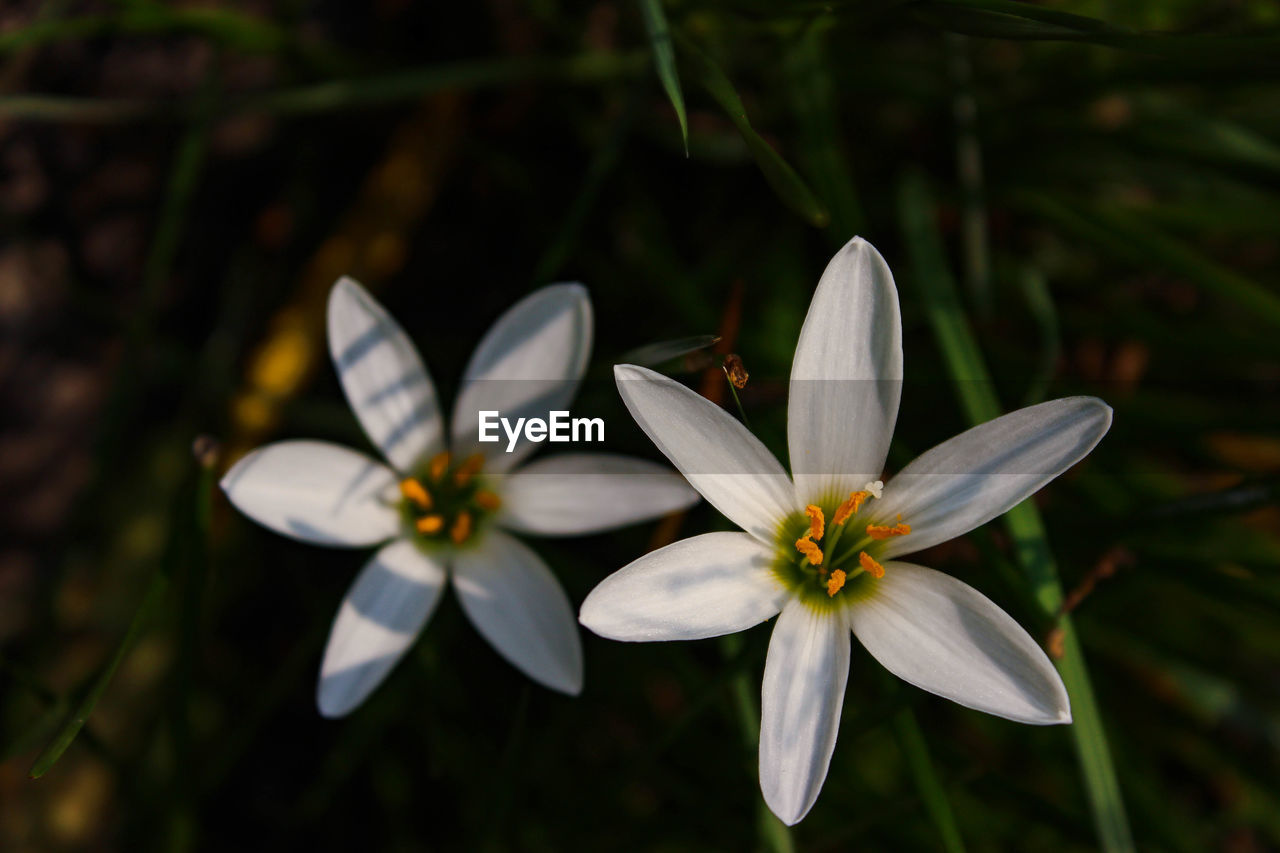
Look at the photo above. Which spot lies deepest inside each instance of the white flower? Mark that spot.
(440, 511)
(822, 550)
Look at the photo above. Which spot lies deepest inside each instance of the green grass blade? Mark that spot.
(1035, 290)
(777, 172)
(931, 275)
(916, 751)
(664, 60)
(71, 728)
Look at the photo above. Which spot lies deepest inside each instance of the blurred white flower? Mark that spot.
(822, 549)
(442, 511)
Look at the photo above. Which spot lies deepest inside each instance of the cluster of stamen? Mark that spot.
(446, 501)
(809, 545)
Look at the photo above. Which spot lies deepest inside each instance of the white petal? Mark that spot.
(846, 378)
(984, 471)
(517, 604)
(707, 586)
(383, 613)
(579, 493)
(801, 699)
(528, 364)
(944, 636)
(717, 454)
(318, 492)
(383, 377)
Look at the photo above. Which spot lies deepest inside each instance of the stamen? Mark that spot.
(413, 491)
(879, 531)
(461, 529)
(816, 521)
(836, 582)
(870, 566)
(876, 488)
(850, 507)
(468, 469)
(486, 499)
(810, 550)
(438, 465)
(430, 524)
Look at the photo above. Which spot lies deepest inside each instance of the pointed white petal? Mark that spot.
(984, 471)
(383, 613)
(846, 378)
(944, 636)
(528, 364)
(801, 699)
(715, 452)
(707, 586)
(579, 493)
(383, 377)
(512, 598)
(318, 492)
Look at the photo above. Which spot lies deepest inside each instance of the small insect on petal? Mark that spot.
(879, 531)
(817, 522)
(870, 566)
(414, 491)
(836, 582)
(810, 550)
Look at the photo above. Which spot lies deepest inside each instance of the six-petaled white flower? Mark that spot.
(821, 550)
(444, 511)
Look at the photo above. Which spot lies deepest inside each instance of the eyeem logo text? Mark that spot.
(558, 427)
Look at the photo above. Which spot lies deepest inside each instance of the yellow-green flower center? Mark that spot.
(832, 552)
(448, 500)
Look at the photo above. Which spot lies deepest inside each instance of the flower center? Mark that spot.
(447, 502)
(823, 563)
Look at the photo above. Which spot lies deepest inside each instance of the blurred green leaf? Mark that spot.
(1125, 235)
(916, 751)
(785, 182)
(931, 275)
(664, 59)
(1007, 19)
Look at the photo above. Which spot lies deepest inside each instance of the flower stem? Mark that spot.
(774, 834)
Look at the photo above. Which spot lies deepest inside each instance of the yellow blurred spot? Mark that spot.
(430, 524)
(486, 499)
(283, 359)
(438, 465)
(461, 530)
(468, 469)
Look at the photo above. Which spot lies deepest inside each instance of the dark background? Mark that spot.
(180, 185)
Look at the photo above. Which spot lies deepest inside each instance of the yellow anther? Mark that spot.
(879, 531)
(870, 566)
(850, 507)
(805, 546)
(468, 469)
(430, 524)
(816, 521)
(736, 371)
(836, 582)
(413, 491)
(486, 499)
(438, 465)
(461, 530)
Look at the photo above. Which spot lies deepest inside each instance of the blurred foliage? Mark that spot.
(181, 183)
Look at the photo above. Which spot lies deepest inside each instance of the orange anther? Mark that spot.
(430, 524)
(870, 566)
(817, 522)
(413, 491)
(879, 531)
(850, 507)
(486, 499)
(810, 550)
(836, 582)
(438, 465)
(461, 529)
(468, 469)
